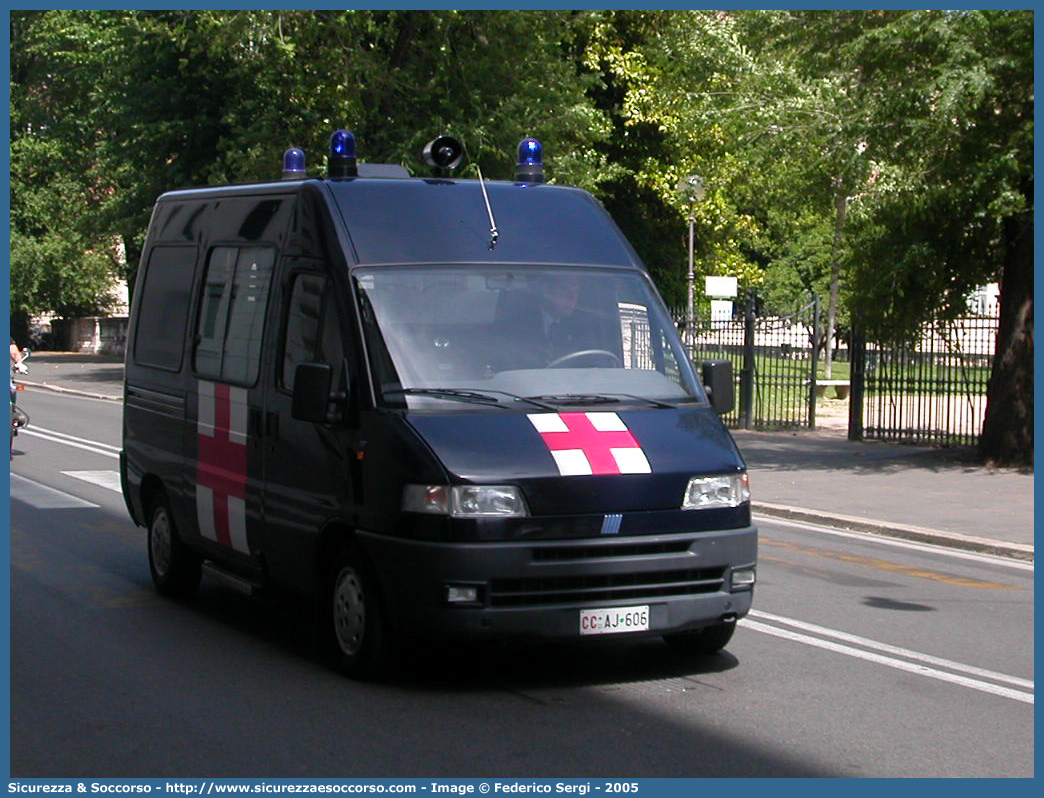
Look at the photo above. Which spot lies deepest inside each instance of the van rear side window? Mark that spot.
(160, 333)
(232, 313)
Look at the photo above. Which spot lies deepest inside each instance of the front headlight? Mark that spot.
(724, 490)
(482, 501)
(465, 501)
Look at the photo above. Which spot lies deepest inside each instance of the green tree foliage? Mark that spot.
(954, 160)
(662, 73)
(948, 199)
(57, 259)
(166, 99)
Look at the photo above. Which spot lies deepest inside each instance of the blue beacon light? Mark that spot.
(342, 154)
(530, 166)
(294, 164)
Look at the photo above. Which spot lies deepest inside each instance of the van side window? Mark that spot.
(232, 313)
(313, 331)
(302, 324)
(160, 332)
(331, 342)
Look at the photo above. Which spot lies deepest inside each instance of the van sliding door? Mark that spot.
(227, 361)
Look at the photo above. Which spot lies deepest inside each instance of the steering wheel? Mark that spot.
(580, 353)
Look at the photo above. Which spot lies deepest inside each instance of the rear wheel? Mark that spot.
(709, 640)
(355, 632)
(176, 569)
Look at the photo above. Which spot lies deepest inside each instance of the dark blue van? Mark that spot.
(439, 408)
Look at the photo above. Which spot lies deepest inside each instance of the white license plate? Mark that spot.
(610, 620)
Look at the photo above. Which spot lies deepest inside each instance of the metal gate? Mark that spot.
(932, 391)
(774, 361)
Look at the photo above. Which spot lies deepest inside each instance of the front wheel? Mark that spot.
(709, 640)
(176, 569)
(356, 633)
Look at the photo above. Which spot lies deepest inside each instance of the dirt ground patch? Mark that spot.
(832, 415)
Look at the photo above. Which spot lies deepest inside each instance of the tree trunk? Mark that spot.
(1007, 434)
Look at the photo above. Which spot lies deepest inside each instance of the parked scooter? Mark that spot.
(19, 418)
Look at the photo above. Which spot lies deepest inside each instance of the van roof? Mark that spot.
(440, 221)
(418, 220)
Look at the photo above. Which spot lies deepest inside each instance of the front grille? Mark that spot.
(604, 587)
(558, 553)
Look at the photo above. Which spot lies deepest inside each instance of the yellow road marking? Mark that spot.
(887, 565)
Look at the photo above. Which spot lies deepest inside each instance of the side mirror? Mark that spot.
(717, 380)
(311, 400)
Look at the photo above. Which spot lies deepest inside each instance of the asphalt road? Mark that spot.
(862, 658)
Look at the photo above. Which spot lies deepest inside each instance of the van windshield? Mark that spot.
(491, 335)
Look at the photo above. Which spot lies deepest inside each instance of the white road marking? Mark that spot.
(43, 497)
(105, 479)
(888, 649)
(70, 440)
(891, 662)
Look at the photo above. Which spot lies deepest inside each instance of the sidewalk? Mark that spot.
(920, 493)
(96, 376)
(915, 492)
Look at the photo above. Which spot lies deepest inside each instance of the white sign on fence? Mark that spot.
(721, 312)
(721, 287)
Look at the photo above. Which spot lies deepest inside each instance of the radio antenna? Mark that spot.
(494, 234)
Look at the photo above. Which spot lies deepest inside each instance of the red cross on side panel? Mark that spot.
(221, 473)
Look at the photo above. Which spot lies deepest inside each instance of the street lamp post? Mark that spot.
(692, 191)
(690, 314)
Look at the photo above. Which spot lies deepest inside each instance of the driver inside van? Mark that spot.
(547, 321)
(560, 322)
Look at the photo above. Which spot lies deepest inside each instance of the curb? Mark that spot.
(74, 391)
(953, 540)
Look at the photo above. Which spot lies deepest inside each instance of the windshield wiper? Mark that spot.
(449, 393)
(653, 402)
(475, 395)
(596, 399)
(575, 399)
(533, 400)
(547, 402)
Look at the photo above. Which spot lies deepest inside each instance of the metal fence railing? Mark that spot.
(774, 363)
(932, 391)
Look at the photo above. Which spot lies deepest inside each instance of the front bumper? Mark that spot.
(534, 590)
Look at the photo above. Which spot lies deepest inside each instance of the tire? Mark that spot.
(709, 640)
(176, 569)
(353, 626)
